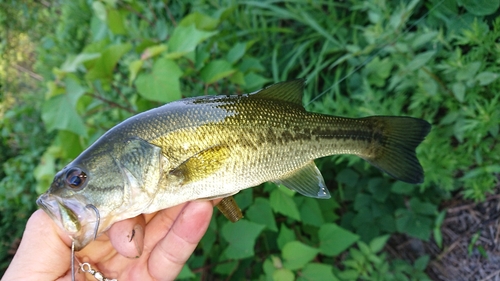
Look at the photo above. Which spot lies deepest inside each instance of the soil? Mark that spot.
(471, 242)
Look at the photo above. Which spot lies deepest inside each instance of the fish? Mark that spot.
(214, 146)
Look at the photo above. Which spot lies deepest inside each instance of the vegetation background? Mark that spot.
(70, 70)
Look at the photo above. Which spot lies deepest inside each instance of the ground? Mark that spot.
(471, 242)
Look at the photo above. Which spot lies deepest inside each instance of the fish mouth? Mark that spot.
(79, 221)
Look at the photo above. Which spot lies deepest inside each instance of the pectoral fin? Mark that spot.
(229, 208)
(307, 181)
(202, 164)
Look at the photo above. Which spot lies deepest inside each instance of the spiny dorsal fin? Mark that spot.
(290, 91)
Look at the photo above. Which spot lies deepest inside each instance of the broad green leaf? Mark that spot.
(237, 78)
(236, 52)
(480, 7)
(201, 21)
(421, 262)
(296, 255)
(99, 10)
(74, 90)
(424, 38)
(486, 77)
(260, 212)
(284, 204)
(317, 272)
(311, 213)
(185, 39)
(424, 208)
(134, 68)
(420, 60)
(378, 243)
(468, 71)
(400, 187)
(185, 273)
(115, 22)
(347, 177)
(227, 267)
(285, 235)
(283, 274)
(249, 64)
(241, 237)
(244, 198)
(153, 51)
(334, 239)
(104, 66)
(59, 114)
(216, 70)
(162, 83)
(413, 224)
(73, 62)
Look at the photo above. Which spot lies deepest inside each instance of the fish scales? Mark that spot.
(214, 146)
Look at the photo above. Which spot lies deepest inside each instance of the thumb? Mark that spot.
(44, 252)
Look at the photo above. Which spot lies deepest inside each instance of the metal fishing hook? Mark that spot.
(98, 217)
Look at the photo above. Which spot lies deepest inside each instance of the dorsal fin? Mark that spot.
(290, 91)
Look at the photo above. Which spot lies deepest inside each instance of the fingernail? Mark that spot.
(138, 239)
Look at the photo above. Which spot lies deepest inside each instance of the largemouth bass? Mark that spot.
(214, 146)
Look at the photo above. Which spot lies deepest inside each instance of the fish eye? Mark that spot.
(75, 178)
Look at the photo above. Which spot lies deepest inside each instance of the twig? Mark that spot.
(170, 15)
(111, 103)
(29, 72)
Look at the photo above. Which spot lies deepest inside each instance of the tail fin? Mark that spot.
(394, 149)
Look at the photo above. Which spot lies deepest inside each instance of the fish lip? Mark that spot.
(50, 209)
(86, 218)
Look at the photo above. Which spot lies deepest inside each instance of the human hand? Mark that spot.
(157, 250)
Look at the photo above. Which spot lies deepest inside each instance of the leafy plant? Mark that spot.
(437, 60)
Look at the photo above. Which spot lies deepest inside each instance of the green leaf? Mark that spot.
(378, 243)
(241, 237)
(153, 51)
(334, 239)
(317, 272)
(283, 274)
(99, 10)
(311, 213)
(185, 273)
(74, 90)
(486, 78)
(216, 70)
(105, 64)
(347, 177)
(260, 212)
(244, 198)
(185, 39)
(421, 262)
(73, 62)
(284, 204)
(400, 187)
(420, 60)
(162, 84)
(201, 21)
(285, 235)
(59, 114)
(297, 254)
(480, 7)
(412, 224)
(468, 71)
(424, 208)
(115, 22)
(134, 68)
(236, 52)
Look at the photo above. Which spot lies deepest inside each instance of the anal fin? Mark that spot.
(307, 181)
(229, 208)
